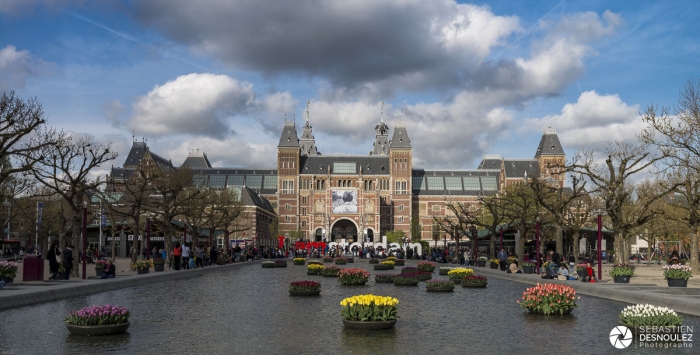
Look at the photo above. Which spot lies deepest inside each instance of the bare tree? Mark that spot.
(22, 134)
(65, 169)
(522, 210)
(677, 133)
(612, 182)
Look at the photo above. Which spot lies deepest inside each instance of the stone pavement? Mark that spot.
(646, 286)
(19, 294)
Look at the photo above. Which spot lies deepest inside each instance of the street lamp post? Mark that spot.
(537, 243)
(475, 245)
(8, 204)
(148, 237)
(85, 240)
(600, 237)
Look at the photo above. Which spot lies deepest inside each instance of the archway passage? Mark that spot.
(344, 229)
(370, 235)
(318, 236)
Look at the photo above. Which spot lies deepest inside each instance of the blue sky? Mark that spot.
(466, 79)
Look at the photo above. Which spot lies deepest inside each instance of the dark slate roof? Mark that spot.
(121, 173)
(289, 137)
(162, 163)
(370, 165)
(137, 152)
(549, 144)
(455, 182)
(196, 161)
(516, 168)
(400, 138)
(249, 198)
(307, 142)
(381, 141)
(490, 162)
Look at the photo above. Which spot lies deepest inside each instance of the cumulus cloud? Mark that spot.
(349, 43)
(592, 121)
(17, 66)
(114, 111)
(227, 152)
(196, 104)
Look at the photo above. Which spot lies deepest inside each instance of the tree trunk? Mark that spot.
(168, 234)
(114, 252)
(492, 245)
(618, 242)
(575, 247)
(76, 242)
(694, 264)
(559, 239)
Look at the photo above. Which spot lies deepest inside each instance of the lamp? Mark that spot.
(537, 243)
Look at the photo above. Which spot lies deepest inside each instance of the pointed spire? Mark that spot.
(307, 111)
(382, 112)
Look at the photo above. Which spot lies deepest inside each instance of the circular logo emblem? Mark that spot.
(620, 337)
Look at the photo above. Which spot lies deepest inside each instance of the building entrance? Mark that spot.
(344, 229)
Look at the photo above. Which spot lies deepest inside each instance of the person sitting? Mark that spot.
(513, 269)
(590, 274)
(548, 273)
(674, 261)
(109, 271)
(563, 273)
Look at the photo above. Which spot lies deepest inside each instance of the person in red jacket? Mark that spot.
(177, 255)
(590, 273)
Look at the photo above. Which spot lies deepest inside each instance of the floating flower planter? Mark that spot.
(438, 285)
(677, 275)
(341, 261)
(474, 281)
(268, 264)
(369, 312)
(299, 261)
(304, 288)
(314, 269)
(428, 266)
(457, 274)
(330, 271)
(384, 278)
(549, 299)
(280, 263)
(353, 276)
(98, 320)
(406, 279)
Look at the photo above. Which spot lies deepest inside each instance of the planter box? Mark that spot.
(481, 263)
(369, 325)
(440, 289)
(472, 284)
(304, 293)
(143, 271)
(159, 267)
(528, 269)
(313, 273)
(399, 262)
(268, 266)
(98, 272)
(96, 330)
(677, 283)
(621, 279)
(7, 280)
(387, 280)
(581, 273)
(425, 276)
(494, 266)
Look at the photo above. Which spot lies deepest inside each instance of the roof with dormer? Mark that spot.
(289, 137)
(400, 138)
(517, 168)
(549, 144)
(196, 160)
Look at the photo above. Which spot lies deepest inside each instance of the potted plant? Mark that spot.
(399, 262)
(8, 271)
(374, 261)
(314, 269)
(353, 276)
(384, 278)
(621, 273)
(458, 273)
(327, 259)
(493, 263)
(299, 261)
(647, 315)
(677, 275)
(99, 267)
(341, 261)
(159, 264)
(445, 269)
(581, 270)
(142, 266)
(511, 260)
(528, 267)
(549, 299)
(98, 320)
(315, 262)
(428, 266)
(304, 288)
(330, 271)
(268, 264)
(474, 281)
(481, 261)
(369, 312)
(439, 285)
(406, 279)
(389, 263)
(281, 263)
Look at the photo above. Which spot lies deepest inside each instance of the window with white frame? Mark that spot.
(288, 187)
(401, 187)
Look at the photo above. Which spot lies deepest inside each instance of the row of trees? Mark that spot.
(648, 188)
(39, 163)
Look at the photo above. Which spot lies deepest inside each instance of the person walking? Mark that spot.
(213, 254)
(52, 255)
(68, 260)
(502, 257)
(199, 257)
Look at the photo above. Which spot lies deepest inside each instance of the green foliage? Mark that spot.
(395, 236)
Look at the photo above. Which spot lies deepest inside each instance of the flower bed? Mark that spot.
(622, 270)
(409, 270)
(314, 269)
(327, 259)
(98, 315)
(299, 261)
(268, 264)
(341, 261)
(458, 273)
(353, 276)
(406, 279)
(330, 271)
(474, 280)
(303, 286)
(445, 269)
(384, 278)
(649, 315)
(428, 266)
(439, 283)
(8, 269)
(549, 299)
(678, 272)
(369, 308)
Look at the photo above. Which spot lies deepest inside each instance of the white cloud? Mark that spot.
(227, 152)
(593, 121)
(196, 104)
(114, 112)
(16, 67)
